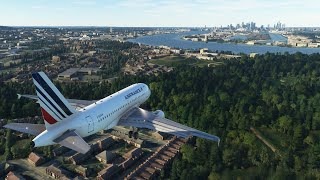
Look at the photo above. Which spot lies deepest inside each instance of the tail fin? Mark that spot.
(54, 106)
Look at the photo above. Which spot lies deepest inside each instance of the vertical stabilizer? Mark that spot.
(54, 107)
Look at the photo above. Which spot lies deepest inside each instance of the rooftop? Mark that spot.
(72, 71)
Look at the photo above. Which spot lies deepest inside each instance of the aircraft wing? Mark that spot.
(73, 102)
(34, 129)
(145, 119)
(72, 140)
(80, 103)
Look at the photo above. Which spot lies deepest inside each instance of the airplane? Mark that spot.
(68, 121)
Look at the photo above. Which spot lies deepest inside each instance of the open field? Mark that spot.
(174, 61)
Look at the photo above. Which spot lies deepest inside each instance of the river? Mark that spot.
(174, 40)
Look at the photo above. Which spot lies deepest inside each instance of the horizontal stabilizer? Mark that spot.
(76, 103)
(34, 129)
(27, 96)
(72, 140)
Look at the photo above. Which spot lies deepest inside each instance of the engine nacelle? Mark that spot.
(159, 113)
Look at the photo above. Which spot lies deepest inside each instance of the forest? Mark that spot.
(277, 94)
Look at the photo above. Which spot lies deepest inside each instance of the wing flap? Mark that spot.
(72, 140)
(34, 129)
(144, 119)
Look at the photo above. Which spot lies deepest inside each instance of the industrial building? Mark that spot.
(77, 73)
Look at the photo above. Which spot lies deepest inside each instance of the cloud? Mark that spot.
(60, 9)
(217, 5)
(37, 7)
(170, 12)
(136, 4)
(84, 2)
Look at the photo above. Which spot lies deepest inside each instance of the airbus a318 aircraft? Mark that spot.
(67, 121)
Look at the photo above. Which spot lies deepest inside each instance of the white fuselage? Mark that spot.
(103, 114)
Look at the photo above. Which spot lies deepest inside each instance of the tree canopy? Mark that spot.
(276, 93)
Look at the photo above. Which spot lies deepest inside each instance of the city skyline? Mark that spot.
(151, 13)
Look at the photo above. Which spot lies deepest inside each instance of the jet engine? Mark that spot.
(130, 134)
(133, 134)
(159, 113)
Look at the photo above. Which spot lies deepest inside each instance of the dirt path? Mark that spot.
(263, 140)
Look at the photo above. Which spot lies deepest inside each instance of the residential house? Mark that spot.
(106, 156)
(35, 159)
(127, 163)
(108, 172)
(57, 172)
(134, 153)
(14, 176)
(5, 168)
(85, 172)
(105, 143)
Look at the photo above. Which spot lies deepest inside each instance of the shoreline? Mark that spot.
(176, 41)
(245, 42)
(230, 42)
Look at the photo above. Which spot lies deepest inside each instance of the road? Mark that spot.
(30, 170)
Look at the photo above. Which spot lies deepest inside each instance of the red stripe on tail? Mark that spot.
(47, 117)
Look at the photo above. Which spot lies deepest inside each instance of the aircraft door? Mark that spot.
(90, 124)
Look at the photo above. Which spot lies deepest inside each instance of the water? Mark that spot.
(274, 37)
(174, 40)
(239, 37)
(278, 37)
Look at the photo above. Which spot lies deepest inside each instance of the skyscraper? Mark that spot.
(253, 25)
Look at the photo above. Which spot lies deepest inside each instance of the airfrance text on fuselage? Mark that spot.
(133, 93)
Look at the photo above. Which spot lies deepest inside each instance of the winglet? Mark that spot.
(19, 96)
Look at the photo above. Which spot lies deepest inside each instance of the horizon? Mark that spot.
(88, 26)
(165, 13)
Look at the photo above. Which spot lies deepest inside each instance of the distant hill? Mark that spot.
(6, 28)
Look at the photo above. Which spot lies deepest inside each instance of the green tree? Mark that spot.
(188, 153)
(284, 123)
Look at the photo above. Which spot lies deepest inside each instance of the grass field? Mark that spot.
(174, 61)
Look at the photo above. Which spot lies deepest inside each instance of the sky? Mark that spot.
(159, 13)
